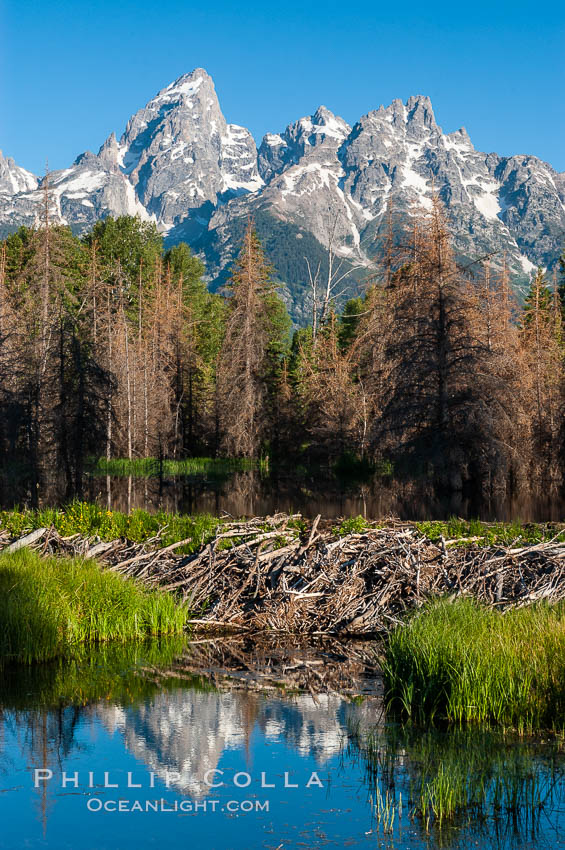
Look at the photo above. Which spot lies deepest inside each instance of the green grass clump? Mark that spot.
(146, 467)
(91, 520)
(50, 605)
(491, 534)
(461, 662)
(352, 525)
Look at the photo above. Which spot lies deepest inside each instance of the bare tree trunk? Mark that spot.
(128, 383)
(109, 410)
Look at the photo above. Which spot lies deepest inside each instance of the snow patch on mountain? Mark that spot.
(81, 184)
(274, 140)
(488, 205)
(526, 264)
(182, 87)
(14, 179)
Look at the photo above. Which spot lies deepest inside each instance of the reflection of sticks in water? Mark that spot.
(324, 665)
(275, 574)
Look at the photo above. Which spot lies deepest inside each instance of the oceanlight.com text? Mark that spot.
(95, 804)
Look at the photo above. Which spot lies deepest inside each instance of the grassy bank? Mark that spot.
(145, 467)
(461, 532)
(466, 533)
(461, 662)
(90, 520)
(50, 605)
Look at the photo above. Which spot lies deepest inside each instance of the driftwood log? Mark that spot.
(264, 574)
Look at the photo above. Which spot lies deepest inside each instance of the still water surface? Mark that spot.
(253, 494)
(260, 492)
(139, 712)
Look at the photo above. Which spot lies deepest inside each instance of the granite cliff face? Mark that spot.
(180, 164)
(17, 204)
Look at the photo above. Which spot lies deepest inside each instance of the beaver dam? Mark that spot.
(284, 574)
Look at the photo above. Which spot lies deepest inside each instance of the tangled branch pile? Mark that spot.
(271, 574)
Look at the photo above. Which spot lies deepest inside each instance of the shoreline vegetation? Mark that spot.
(461, 662)
(89, 520)
(472, 614)
(50, 606)
(160, 528)
(149, 467)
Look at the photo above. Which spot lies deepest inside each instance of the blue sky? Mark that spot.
(72, 72)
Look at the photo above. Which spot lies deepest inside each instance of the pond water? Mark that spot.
(250, 493)
(200, 750)
(260, 492)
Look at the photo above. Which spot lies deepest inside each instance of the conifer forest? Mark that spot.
(113, 347)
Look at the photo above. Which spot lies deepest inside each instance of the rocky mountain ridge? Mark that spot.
(180, 164)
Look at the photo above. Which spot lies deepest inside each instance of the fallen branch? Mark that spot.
(26, 540)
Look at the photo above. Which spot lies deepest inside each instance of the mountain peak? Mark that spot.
(419, 109)
(13, 178)
(191, 77)
(459, 140)
(332, 123)
(109, 151)
(322, 115)
(183, 87)
(314, 129)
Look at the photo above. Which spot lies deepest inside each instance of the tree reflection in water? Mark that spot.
(259, 493)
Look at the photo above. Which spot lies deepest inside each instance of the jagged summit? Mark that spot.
(13, 178)
(109, 152)
(419, 108)
(323, 117)
(188, 88)
(317, 132)
(179, 163)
